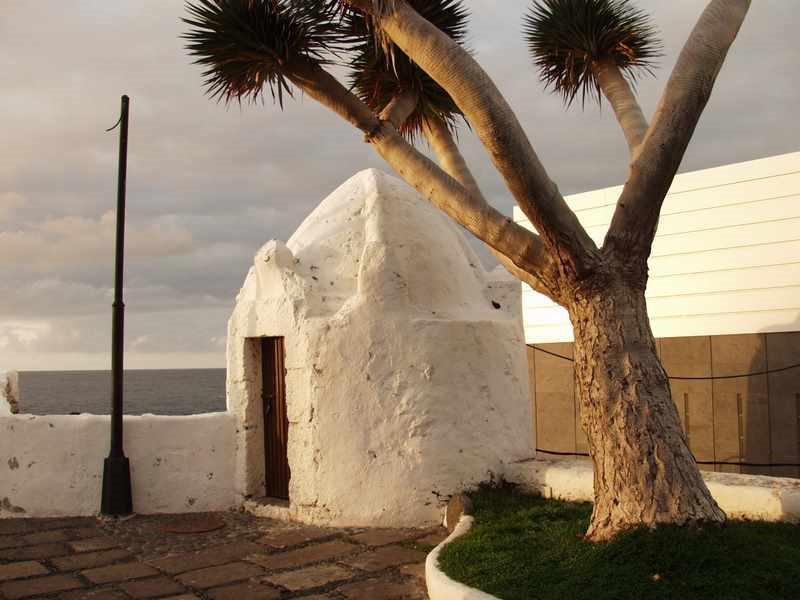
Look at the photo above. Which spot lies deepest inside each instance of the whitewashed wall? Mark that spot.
(53, 465)
(740, 496)
(9, 392)
(406, 373)
(726, 258)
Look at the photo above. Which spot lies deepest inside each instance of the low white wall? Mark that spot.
(9, 392)
(740, 496)
(440, 586)
(53, 465)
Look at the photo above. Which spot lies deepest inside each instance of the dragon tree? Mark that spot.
(412, 79)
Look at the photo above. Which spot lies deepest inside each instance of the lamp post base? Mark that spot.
(117, 500)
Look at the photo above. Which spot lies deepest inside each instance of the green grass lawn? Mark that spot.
(526, 547)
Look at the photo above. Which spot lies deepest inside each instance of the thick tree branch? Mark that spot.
(524, 248)
(635, 220)
(450, 158)
(620, 96)
(400, 108)
(494, 122)
(326, 89)
(452, 162)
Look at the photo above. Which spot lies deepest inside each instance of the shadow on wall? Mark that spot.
(769, 426)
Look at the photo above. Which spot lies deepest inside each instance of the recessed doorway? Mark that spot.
(276, 422)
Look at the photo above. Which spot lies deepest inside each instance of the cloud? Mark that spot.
(49, 245)
(209, 184)
(9, 202)
(22, 336)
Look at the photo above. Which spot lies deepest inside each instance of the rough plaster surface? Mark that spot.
(9, 393)
(404, 382)
(53, 465)
(740, 496)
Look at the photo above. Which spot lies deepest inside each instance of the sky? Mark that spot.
(209, 184)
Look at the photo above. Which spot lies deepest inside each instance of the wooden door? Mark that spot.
(276, 422)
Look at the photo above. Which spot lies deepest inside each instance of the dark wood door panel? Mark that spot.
(276, 422)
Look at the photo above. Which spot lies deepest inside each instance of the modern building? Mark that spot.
(723, 299)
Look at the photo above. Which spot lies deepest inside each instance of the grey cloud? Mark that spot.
(10, 202)
(208, 184)
(46, 245)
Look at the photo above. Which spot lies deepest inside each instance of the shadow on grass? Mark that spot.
(526, 547)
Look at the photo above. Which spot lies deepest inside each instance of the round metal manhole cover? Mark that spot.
(194, 524)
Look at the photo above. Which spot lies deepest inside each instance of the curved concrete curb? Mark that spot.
(741, 496)
(440, 586)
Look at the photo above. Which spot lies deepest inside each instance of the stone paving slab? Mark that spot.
(251, 558)
(248, 590)
(385, 558)
(38, 586)
(19, 570)
(220, 575)
(155, 587)
(311, 577)
(385, 589)
(210, 557)
(304, 556)
(89, 560)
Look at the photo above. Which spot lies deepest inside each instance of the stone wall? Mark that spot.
(53, 465)
(9, 393)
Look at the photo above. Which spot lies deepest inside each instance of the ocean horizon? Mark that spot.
(157, 391)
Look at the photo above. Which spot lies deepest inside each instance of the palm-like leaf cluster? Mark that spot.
(381, 71)
(248, 44)
(568, 38)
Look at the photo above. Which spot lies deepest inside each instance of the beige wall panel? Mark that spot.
(741, 410)
(532, 390)
(757, 426)
(691, 357)
(783, 350)
(555, 399)
(726, 430)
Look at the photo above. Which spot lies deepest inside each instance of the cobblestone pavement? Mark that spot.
(244, 558)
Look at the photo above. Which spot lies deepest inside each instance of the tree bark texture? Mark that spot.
(447, 153)
(644, 473)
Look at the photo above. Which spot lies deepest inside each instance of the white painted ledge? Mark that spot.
(740, 496)
(440, 586)
(9, 393)
(52, 465)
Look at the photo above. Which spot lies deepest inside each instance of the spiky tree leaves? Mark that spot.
(569, 39)
(246, 45)
(381, 71)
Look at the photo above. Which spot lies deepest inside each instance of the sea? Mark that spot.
(162, 392)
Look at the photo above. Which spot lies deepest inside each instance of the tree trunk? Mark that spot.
(644, 473)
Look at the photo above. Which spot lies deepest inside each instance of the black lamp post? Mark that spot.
(117, 500)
